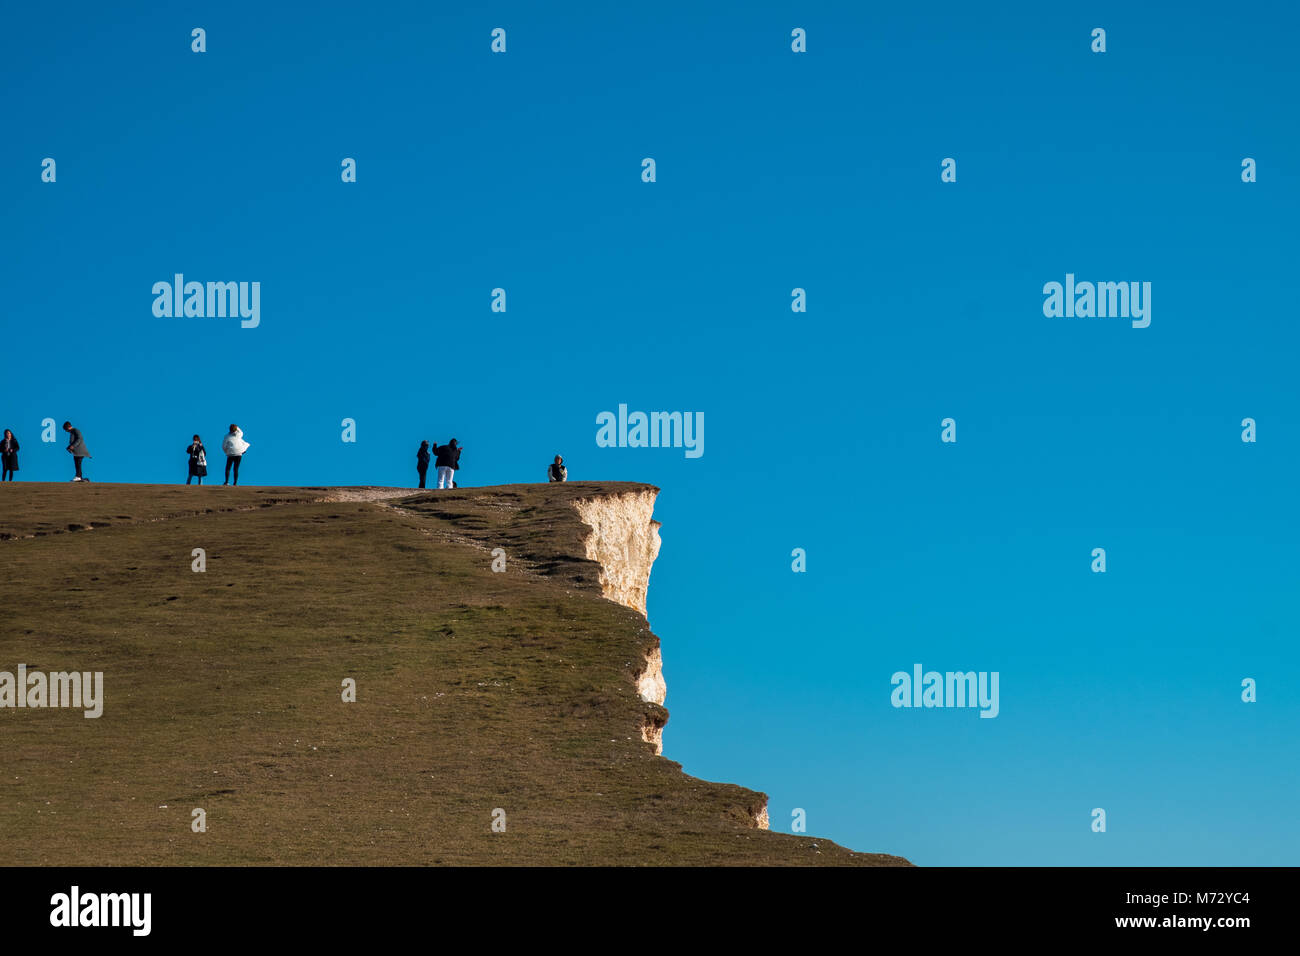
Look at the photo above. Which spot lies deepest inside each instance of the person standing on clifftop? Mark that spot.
(198, 460)
(8, 456)
(557, 471)
(455, 467)
(234, 446)
(76, 448)
(448, 461)
(422, 457)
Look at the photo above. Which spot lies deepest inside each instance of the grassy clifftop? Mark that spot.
(476, 691)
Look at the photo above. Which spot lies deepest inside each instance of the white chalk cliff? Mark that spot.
(624, 541)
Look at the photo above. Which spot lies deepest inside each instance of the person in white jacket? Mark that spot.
(234, 446)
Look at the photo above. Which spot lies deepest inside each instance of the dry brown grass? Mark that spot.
(476, 690)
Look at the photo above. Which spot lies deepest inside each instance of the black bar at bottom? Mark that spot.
(334, 905)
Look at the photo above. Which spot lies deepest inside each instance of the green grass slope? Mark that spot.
(476, 690)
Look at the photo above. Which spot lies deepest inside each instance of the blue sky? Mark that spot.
(775, 170)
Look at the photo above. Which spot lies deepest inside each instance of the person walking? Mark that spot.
(422, 458)
(8, 456)
(198, 461)
(557, 471)
(448, 461)
(76, 448)
(234, 446)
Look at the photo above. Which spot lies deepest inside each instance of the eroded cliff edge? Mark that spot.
(624, 541)
(610, 549)
(494, 673)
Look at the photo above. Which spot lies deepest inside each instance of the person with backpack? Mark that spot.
(76, 448)
(448, 462)
(8, 456)
(557, 471)
(198, 461)
(234, 446)
(422, 458)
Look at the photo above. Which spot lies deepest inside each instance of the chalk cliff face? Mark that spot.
(650, 684)
(625, 541)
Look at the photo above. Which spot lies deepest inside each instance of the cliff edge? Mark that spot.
(354, 676)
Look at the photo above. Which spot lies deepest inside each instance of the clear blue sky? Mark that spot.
(775, 170)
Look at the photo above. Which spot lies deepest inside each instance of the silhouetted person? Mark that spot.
(422, 458)
(448, 461)
(198, 461)
(8, 456)
(76, 448)
(234, 446)
(557, 471)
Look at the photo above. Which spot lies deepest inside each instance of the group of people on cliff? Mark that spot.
(9, 449)
(444, 458)
(233, 447)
